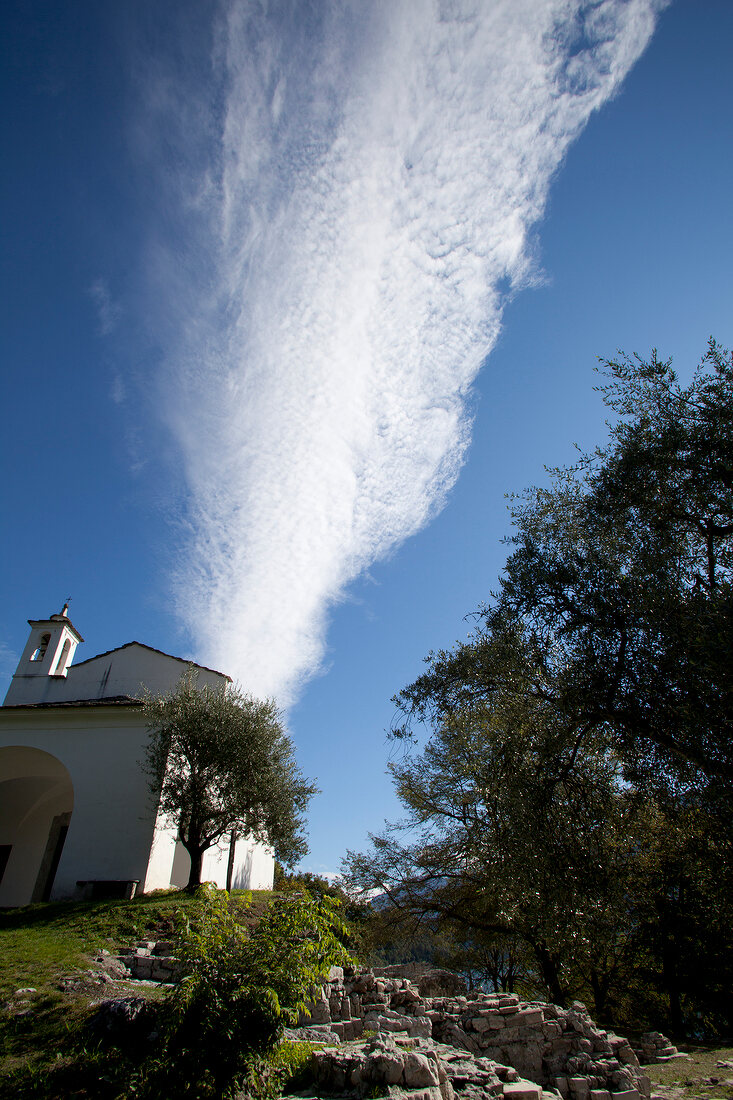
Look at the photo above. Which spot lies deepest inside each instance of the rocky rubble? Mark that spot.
(654, 1048)
(20, 1002)
(428, 980)
(416, 1068)
(551, 1048)
(150, 961)
(430, 1039)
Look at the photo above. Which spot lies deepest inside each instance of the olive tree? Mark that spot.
(220, 763)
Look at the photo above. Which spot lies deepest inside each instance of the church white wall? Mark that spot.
(159, 872)
(113, 833)
(214, 865)
(125, 671)
(254, 866)
(129, 670)
(112, 824)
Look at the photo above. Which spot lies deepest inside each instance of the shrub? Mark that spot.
(220, 1026)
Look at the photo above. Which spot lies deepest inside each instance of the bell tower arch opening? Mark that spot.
(36, 804)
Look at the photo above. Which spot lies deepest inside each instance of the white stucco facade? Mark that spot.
(76, 812)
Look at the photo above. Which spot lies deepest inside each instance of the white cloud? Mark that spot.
(363, 183)
(108, 311)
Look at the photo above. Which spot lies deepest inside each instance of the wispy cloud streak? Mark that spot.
(363, 185)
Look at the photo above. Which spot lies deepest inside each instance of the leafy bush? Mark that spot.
(220, 1026)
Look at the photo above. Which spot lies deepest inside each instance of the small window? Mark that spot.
(39, 653)
(61, 663)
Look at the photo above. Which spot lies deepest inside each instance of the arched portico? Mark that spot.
(36, 803)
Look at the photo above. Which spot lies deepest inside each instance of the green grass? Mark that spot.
(39, 944)
(42, 1047)
(689, 1078)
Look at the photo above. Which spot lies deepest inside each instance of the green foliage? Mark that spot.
(46, 1049)
(289, 1068)
(357, 934)
(571, 809)
(219, 1030)
(220, 762)
(620, 577)
(392, 935)
(518, 838)
(221, 1024)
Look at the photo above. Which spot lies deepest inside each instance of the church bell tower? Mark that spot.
(46, 658)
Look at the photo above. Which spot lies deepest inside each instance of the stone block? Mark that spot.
(626, 1056)
(579, 1088)
(527, 1060)
(319, 1013)
(600, 1094)
(626, 1094)
(522, 1090)
(419, 1072)
(164, 947)
(528, 1017)
(383, 1066)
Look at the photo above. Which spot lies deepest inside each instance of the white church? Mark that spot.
(77, 818)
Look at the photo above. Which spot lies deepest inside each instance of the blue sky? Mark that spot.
(251, 267)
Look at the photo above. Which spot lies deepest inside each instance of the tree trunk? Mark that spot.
(600, 986)
(197, 859)
(550, 976)
(230, 861)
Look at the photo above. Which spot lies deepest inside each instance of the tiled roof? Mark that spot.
(112, 700)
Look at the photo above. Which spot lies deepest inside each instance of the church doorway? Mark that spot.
(36, 803)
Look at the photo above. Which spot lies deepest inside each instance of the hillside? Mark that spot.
(52, 971)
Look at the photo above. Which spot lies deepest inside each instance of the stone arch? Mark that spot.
(36, 803)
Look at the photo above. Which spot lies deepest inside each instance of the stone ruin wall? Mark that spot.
(414, 1032)
(559, 1050)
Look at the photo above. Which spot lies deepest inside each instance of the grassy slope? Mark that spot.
(696, 1077)
(42, 944)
